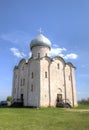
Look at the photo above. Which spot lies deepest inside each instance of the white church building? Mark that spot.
(43, 81)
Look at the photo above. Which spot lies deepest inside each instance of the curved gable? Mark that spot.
(30, 60)
(70, 64)
(23, 61)
(46, 58)
(15, 68)
(59, 58)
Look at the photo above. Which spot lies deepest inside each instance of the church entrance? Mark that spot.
(59, 97)
(59, 102)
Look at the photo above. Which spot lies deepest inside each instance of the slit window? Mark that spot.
(38, 55)
(58, 66)
(46, 54)
(32, 88)
(45, 74)
(32, 75)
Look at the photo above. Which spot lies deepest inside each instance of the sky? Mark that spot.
(64, 22)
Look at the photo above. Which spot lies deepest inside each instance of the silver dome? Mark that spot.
(40, 40)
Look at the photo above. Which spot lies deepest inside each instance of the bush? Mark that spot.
(84, 101)
(9, 98)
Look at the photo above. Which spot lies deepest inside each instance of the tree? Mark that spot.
(84, 101)
(9, 98)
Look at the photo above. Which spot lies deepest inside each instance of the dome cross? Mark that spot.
(40, 30)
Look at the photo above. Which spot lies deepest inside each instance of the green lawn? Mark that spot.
(83, 106)
(43, 119)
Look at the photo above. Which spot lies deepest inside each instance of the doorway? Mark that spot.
(59, 97)
(59, 101)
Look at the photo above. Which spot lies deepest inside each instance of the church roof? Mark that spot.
(40, 40)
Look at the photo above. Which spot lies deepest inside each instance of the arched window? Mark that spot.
(32, 75)
(46, 54)
(32, 88)
(58, 66)
(38, 55)
(45, 74)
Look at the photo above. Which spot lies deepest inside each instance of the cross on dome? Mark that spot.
(40, 30)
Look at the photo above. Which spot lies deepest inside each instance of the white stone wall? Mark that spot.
(56, 81)
(33, 95)
(15, 84)
(44, 83)
(21, 76)
(74, 88)
(68, 84)
(25, 89)
(20, 81)
(43, 51)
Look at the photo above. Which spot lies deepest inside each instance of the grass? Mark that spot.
(43, 119)
(83, 106)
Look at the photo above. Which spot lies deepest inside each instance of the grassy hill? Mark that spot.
(44, 119)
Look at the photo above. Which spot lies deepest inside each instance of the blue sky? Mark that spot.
(64, 22)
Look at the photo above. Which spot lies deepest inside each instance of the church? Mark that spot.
(42, 81)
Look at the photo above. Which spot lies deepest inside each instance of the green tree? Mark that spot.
(84, 101)
(9, 98)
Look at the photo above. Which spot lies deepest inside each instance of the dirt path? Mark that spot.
(78, 110)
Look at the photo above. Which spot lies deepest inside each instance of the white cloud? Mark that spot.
(57, 51)
(71, 56)
(60, 51)
(17, 53)
(16, 37)
(55, 45)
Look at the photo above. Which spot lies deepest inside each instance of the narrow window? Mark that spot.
(32, 75)
(58, 66)
(38, 55)
(45, 74)
(23, 81)
(32, 88)
(46, 54)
